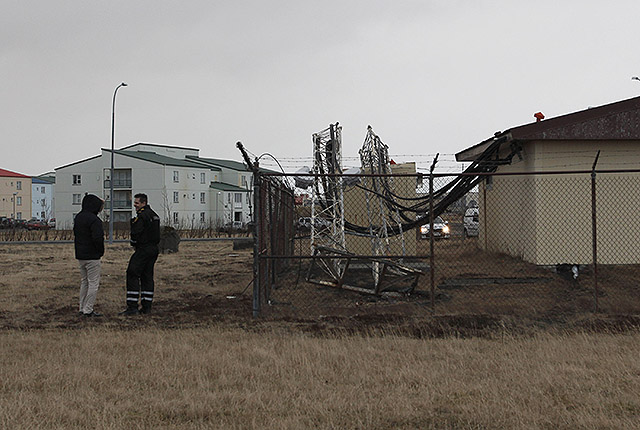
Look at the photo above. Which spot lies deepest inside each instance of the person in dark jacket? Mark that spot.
(145, 236)
(88, 239)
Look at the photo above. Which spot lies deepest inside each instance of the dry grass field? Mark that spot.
(39, 286)
(201, 361)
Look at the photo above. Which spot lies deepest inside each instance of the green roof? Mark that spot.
(158, 146)
(228, 187)
(228, 164)
(49, 177)
(152, 157)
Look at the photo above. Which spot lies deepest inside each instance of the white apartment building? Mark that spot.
(185, 190)
(42, 197)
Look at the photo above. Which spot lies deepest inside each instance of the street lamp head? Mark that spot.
(123, 84)
(635, 78)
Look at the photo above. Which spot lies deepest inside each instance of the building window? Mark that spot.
(42, 215)
(244, 181)
(77, 199)
(238, 198)
(176, 176)
(19, 201)
(247, 194)
(202, 217)
(175, 218)
(42, 190)
(202, 197)
(203, 178)
(77, 180)
(175, 197)
(237, 216)
(18, 185)
(229, 197)
(43, 202)
(19, 215)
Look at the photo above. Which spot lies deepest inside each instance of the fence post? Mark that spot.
(257, 226)
(271, 209)
(431, 257)
(257, 230)
(594, 235)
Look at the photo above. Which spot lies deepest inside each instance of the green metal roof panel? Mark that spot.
(228, 187)
(228, 164)
(152, 157)
(158, 146)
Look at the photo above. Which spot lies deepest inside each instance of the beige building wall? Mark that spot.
(355, 211)
(546, 219)
(22, 187)
(507, 209)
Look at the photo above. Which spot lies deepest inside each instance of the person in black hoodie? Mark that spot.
(145, 236)
(88, 238)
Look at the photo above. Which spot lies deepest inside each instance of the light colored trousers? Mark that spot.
(89, 283)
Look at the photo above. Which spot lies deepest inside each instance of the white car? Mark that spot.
(441, 229)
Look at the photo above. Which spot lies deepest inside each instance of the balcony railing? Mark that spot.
(118, 183)
(118, 204)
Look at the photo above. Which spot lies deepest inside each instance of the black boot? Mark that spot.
(146, 307)
(129, 311)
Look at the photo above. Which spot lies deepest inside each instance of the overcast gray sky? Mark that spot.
(429, 76)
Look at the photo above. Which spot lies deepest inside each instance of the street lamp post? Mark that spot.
(113, 125)
(217, 212)
(14, 205)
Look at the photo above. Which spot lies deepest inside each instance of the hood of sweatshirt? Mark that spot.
(92, 203)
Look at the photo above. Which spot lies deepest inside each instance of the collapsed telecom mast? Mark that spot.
(327, 203)
(379, 192)
(382, 211)
(328, 244)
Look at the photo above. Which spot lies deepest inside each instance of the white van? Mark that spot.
(471, 222)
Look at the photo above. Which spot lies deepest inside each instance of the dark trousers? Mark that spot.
(140, 277)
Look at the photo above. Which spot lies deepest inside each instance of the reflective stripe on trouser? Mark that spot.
(147, 299)
(89, 283)
(132, 299)
(140, 276)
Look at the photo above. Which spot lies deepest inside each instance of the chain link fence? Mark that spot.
(544, 246)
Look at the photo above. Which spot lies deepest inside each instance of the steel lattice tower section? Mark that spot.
(327, 203)
(381, 210)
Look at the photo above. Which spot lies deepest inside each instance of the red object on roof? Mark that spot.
(392, 162)
(539, 116)
(9, 173)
